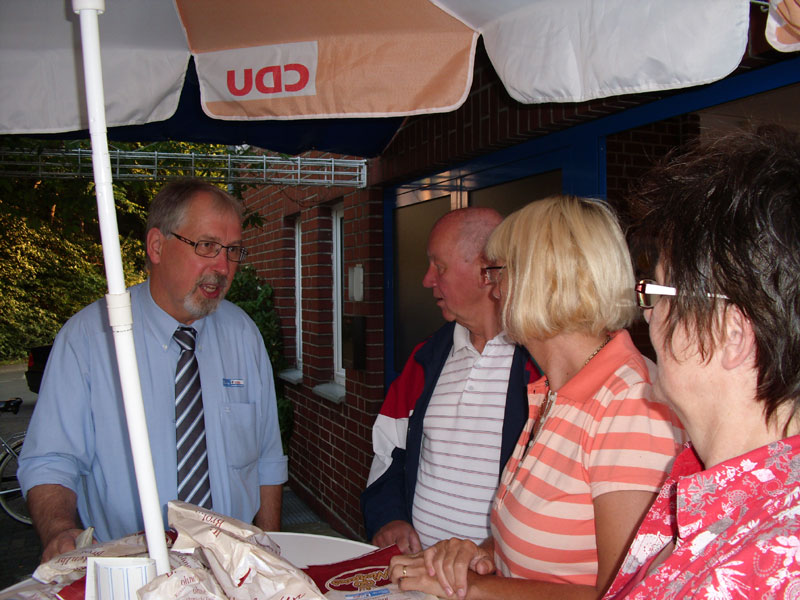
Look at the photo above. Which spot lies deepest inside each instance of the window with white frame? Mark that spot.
(298, 296)
(337, 216)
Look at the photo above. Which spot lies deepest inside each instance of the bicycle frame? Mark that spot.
(7, 444)
(10, 497)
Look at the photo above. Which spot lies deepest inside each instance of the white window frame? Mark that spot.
(337, 228)
(298, 295)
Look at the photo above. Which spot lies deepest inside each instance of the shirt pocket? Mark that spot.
(240, 433)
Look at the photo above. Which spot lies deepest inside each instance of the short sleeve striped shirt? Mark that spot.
(459, 460)
(604, 433)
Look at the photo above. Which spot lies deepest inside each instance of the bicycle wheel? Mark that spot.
(11, 499)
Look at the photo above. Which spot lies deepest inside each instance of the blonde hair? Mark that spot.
(568, 269)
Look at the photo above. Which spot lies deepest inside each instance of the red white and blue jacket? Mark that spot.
(398, 429)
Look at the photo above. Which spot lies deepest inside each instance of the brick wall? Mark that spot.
(629, 154)
(330, 450)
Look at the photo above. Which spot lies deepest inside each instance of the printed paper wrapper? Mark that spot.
(214, 557)
(365, 577)
(183, 584)
(71, 566)
(64, 576)
(243, 559)
(66, 568)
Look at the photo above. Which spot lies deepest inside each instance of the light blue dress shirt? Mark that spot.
(78, 437)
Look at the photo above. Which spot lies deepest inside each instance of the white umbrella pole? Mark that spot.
(118, 298)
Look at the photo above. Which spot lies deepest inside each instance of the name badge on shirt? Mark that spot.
(232, 382)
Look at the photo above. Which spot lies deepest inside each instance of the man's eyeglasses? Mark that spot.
(647, 292)
(209, 249)
(491, 275)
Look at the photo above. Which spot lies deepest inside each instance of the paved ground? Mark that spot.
(19, 545)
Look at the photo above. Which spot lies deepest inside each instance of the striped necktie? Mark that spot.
(190, 434)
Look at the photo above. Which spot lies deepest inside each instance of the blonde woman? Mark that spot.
(596, 447)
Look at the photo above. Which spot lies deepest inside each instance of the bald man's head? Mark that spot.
(455, 257)
(470, 227)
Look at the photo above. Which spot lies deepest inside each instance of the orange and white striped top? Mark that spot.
(604, 433)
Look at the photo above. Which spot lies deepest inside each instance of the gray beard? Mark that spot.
(197, 305)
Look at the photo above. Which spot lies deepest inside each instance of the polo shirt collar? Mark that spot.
(584, 385)
(461, 339)
(462, 342)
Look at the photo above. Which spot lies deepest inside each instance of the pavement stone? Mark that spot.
(19, 545)
(21, 551)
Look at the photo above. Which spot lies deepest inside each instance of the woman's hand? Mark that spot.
(409, 573)
(451, 560)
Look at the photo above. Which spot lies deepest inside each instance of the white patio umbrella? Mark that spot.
(295, 69)
(273, 61)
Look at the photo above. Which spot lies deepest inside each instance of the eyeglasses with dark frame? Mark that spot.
(647, 291)
(491, 275)
(210, 249)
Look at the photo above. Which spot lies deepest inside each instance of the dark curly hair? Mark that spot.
(724, 218)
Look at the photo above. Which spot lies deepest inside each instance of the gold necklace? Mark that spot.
(551, 395)
(537, 425)
(544, 413)
(600, 347)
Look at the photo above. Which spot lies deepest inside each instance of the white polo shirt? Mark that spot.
(462, 434)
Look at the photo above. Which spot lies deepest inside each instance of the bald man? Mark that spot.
(451, 419)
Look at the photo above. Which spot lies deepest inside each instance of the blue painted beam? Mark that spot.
(559, 149)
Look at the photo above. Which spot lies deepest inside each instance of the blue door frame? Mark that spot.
(579, 152)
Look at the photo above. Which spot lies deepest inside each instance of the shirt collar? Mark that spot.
(584, 385)
(462, 342)
(461, 339)
(160, 323)
(715, 495)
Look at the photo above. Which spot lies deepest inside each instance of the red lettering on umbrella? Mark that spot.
(276, 80)
(246, 87)
(302, 81)
(266, 84)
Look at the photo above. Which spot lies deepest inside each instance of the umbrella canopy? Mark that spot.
(357, 137)
(310, 74)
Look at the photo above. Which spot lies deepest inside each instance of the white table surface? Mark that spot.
(304, 549)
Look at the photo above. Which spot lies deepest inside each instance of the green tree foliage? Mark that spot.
(50, 247)
(51, 259)
(255, 298)
(45, 277)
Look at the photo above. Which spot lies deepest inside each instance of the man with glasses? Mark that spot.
(451, 419)
(206, 382)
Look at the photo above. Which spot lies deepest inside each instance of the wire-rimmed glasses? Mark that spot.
(211, 249)
(492, 275)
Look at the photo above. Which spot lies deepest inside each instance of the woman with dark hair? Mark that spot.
(724, 315)
(595, 448)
